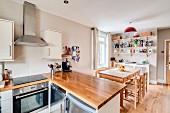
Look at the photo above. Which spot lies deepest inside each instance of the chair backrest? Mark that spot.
(99, 70)
(145, 75)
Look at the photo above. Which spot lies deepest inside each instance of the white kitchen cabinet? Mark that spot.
(54, 41)
(5, 95)
(6, 40)
(52, 52)
(6, 102)
(7, 111)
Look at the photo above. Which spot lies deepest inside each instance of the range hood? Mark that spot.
(29, 38)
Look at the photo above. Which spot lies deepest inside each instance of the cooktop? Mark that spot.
(28, 79)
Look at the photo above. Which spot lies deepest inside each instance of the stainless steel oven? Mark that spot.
(31, 98)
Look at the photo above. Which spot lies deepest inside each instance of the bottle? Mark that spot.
(6, 77)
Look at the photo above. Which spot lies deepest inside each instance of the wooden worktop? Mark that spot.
(94, 91)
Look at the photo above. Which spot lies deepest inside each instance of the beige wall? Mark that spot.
(28, 60)
(74, 34)
(162, 36)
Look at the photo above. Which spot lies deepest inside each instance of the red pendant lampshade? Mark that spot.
(130, 30)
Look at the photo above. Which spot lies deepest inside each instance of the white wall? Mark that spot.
(162, 36)
(74, 34)
(28, 60)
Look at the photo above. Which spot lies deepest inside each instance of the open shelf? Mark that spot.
(132, 38)
(66, 55)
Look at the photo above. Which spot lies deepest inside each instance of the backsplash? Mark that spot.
(29, 61)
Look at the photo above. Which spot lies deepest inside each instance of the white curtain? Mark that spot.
(94, 51)
(109, 49)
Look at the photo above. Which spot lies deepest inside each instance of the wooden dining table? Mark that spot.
(119, 76)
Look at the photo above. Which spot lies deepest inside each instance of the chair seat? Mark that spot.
(130, 87)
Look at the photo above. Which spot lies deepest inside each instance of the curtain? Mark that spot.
(94, 46)
(109, 49)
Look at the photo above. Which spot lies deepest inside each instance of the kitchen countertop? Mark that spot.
(94, 91)
(128, 63)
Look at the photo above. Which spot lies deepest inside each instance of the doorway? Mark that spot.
(167, 61)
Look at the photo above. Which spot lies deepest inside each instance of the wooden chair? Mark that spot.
(98, 71)
(133, 89)
(144, 83)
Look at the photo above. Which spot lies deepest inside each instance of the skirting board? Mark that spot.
(153, 82)
(161, 81)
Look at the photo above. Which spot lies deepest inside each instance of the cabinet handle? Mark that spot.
(10, 50)
(48, 51)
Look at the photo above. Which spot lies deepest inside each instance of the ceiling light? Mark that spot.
(130, 29)
(66, 1)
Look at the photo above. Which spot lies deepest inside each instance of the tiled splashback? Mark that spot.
(28, 61)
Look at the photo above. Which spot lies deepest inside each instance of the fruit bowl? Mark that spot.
(121, 68)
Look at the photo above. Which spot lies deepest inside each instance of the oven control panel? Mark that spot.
(30, 88)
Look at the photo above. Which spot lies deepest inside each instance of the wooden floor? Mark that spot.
(157, 100)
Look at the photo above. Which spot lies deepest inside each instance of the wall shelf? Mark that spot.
(132, 38)
(66, 55)
(121, 46)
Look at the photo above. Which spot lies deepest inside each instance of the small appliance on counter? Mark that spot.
(66, 65)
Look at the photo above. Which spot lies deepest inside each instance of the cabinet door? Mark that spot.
(6, 40)
(54, 48)
(6, 95)
(6, 105)
(53, 38)
(7, 111)
(52, 52)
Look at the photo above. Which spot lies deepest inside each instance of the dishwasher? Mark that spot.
(57, 99)
(75, 105)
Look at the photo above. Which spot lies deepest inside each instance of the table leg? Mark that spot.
(121, 98)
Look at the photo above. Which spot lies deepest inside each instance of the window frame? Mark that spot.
(105, 43)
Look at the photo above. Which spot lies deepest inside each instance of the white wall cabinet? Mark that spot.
(6, 40)
(6, 102)
(54, 48)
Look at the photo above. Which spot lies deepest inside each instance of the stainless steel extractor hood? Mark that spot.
(29, 38)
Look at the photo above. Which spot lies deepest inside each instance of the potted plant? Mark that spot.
(136, 42)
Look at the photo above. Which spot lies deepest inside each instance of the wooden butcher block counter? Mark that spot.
(94, 91)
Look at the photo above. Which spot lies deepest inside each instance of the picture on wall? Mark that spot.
(76, 53)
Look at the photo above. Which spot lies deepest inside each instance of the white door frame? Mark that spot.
(165, 60)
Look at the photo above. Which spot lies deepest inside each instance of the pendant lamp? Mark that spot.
(130, 29)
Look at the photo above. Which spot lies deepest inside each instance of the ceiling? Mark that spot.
(111, 15)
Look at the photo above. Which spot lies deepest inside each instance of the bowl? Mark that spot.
(121, 68)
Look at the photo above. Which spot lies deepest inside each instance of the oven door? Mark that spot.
(31, 101)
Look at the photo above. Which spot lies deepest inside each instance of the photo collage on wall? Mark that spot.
(76, 53)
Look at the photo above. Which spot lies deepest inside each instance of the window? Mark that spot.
(102, 50)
